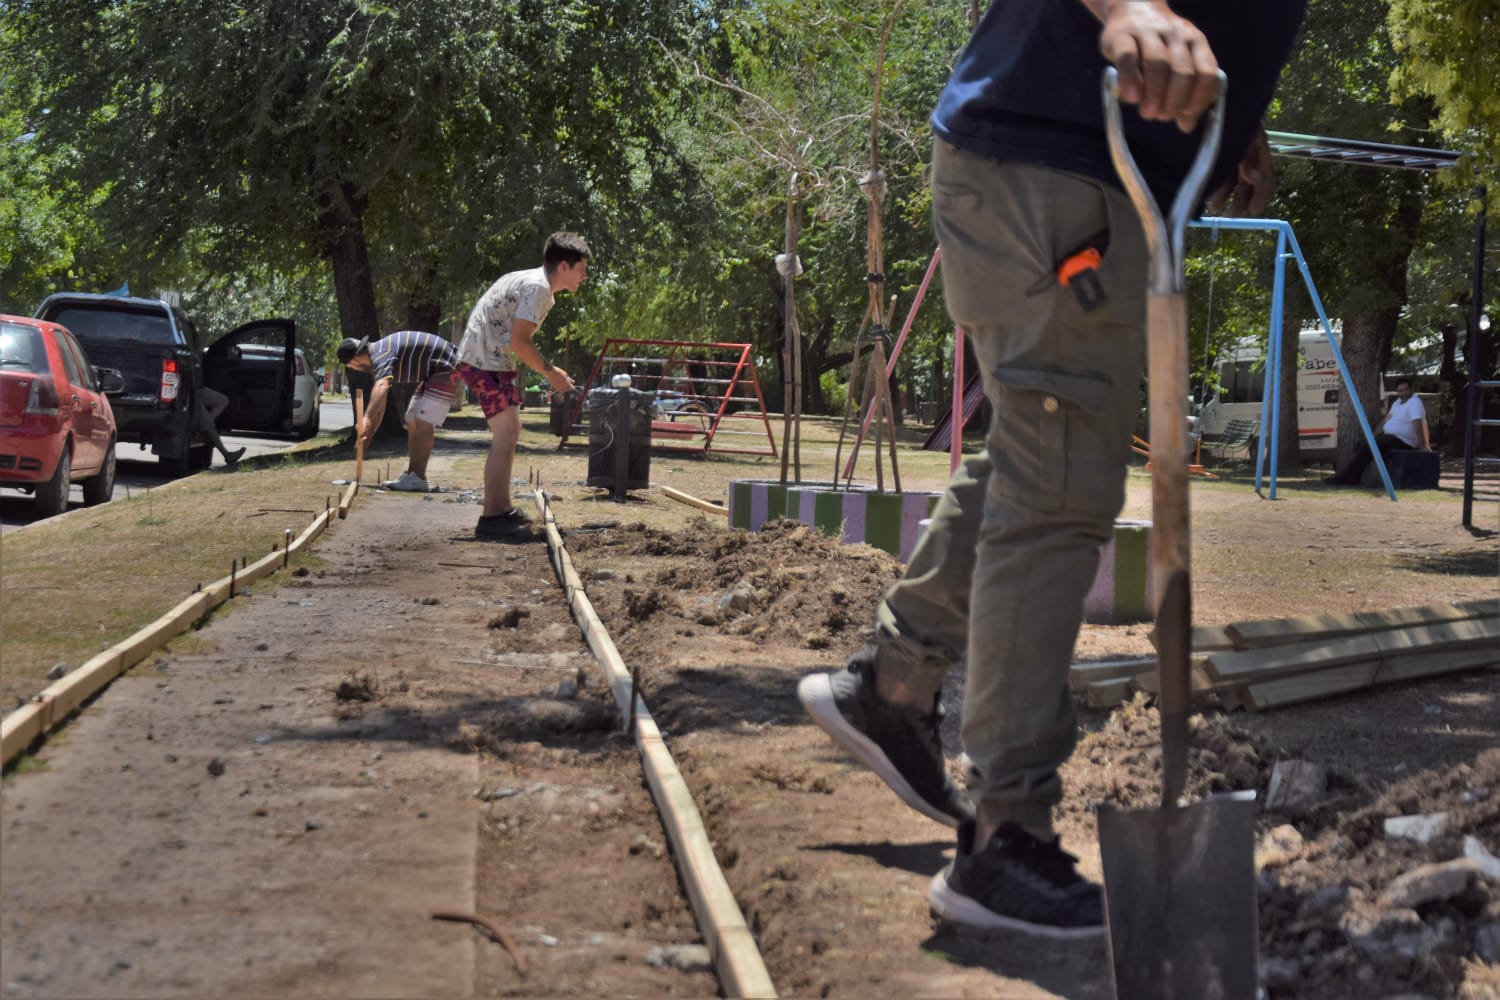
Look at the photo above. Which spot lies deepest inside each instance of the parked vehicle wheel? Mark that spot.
(310, 428)
(98, 489)
(52, 496)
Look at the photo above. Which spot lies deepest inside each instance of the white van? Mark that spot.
(1242, 379)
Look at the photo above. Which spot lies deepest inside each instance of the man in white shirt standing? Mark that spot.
(499, 333)
(1403, 429)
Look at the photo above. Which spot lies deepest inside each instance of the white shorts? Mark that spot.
(432, 400)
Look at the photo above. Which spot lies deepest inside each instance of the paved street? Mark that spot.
(138, 469)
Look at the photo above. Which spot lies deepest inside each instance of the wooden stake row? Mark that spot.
(737, 959)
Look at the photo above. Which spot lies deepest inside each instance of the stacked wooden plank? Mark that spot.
(1264, 664)
(1281, 662)
(1106, 683)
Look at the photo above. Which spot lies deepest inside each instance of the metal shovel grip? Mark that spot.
(1167, 369)
(1164, 237)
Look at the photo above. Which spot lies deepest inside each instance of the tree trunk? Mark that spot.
(1369, 333)
(342, 225)
(1366, 345)
(818, 357)
(353, 283)
(420, 306)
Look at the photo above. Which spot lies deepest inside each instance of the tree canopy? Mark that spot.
(368, 166)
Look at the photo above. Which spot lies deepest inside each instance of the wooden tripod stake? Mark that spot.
(359, 438)
(877, 387)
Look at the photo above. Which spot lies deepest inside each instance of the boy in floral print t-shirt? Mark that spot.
(499, 333)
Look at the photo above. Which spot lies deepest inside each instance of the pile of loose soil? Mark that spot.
(785, 583)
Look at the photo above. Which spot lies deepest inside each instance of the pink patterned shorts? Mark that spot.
(496, 391)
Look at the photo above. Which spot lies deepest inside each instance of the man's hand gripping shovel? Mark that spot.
(1179, 881)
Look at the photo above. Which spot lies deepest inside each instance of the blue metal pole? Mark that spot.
(1271, 400)
(1338, 356)
(1282, 226)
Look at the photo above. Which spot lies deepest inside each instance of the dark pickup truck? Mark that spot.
(157, 349)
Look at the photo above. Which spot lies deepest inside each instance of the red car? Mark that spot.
(56, 425)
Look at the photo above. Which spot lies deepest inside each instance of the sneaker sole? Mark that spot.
(949, 905)
(815, 691)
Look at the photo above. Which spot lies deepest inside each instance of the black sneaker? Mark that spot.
(1017, 882)
(511, 524)
(898, 744)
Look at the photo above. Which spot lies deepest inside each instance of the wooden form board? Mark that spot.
(1206, 638)
(58, 700)
(1199, 683)
(1302, 657)
(693, 501)
(1275, 675)
(1353, 676)
(1257, 634)
(1108, 693)
(1082, 675)
(737, 959)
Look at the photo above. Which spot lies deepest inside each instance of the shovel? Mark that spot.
(1179, 881)
(359, 440)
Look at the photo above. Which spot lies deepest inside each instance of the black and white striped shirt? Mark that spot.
(411, 356)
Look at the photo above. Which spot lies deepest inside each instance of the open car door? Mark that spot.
(255, 366)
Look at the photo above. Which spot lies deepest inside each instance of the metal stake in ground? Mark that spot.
(1179, 881)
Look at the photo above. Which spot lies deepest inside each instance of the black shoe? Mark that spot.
(1019, 883)
(513, 523)
(898, 744)
(233, 457)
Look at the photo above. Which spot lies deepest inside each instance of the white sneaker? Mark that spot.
(409, 482)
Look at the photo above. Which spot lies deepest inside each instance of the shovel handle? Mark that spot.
(359, 438)
(1167, 370)
(1166, 351)
(1165, 238)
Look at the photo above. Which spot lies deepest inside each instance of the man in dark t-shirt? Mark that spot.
(407, 356)
(1022, 188)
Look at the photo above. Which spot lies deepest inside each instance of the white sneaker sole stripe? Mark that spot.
(816, 694)
(961, 909)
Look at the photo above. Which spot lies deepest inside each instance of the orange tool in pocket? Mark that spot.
(1080, 272)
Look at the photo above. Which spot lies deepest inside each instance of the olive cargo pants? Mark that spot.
(1002, 572)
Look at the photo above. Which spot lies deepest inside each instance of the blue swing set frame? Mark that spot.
(1270, 413)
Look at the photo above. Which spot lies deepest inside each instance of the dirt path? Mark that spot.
(344, 713)
(416, 726)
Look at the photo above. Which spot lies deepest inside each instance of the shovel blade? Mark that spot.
(1179, 894)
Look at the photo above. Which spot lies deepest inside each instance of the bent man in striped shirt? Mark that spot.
(407, 356)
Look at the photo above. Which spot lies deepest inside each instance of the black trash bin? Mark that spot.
(602, 408)
(561, 412)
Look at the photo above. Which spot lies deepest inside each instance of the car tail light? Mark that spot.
(43, 399)
(170, 379)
